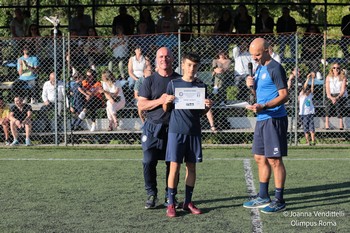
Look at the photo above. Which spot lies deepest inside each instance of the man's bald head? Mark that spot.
(164, 59)
(52, 77)
(259, 50)
(260, 43)
(164, 50)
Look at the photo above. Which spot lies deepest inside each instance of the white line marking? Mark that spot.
(249, 180)
(64, 159)
(116, 159)
(292, 159)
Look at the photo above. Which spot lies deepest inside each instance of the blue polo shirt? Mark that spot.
(268, 80)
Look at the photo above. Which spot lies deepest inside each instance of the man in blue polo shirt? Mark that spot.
(269, 85)
(152, 95)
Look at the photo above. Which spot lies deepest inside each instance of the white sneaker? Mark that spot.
(324, 62)
(82, 115)
(318, 76)
(28, 142)
(93, 127)
(74, 71)
(14, 143)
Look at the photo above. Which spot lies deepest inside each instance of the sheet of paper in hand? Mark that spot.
(189, 98)
(238, 105)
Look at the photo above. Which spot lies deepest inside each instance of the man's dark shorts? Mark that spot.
(270, 137)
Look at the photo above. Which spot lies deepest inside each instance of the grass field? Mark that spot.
(101, 190)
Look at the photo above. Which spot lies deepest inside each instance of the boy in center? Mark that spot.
(184, 135)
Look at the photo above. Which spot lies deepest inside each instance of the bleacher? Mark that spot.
(233, 124)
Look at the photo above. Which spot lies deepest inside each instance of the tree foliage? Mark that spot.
(208, 12)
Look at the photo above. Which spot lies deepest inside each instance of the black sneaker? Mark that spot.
(176, 203)
(151, 202)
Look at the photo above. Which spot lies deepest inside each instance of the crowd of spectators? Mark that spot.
(87, 51)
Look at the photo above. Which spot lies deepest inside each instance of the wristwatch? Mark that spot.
(264, 107)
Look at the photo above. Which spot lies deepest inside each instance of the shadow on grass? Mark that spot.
(221, 203)
(318, 195)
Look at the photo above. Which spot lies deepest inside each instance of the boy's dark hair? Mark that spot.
(29, 48)
(194, 57)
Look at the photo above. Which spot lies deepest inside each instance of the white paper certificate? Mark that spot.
(189, 98)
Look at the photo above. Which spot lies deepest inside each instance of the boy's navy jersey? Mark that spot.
(268, 80)
(185, 121)
(152, 88)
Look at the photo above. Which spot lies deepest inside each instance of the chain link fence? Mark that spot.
(79, 63)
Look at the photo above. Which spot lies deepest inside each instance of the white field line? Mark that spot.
(208, 159)
(65, 159)
(249, 180)
(292, 159)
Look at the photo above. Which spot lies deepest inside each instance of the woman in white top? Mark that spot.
(307, 109)
(136, 66)
(336, 94)
(115, 98)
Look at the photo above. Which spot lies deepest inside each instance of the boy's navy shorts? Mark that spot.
(270, 137)
(183, 147)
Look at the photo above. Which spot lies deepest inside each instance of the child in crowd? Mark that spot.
(147, 72)
(307, 109)
(78, 100)
(4, 120)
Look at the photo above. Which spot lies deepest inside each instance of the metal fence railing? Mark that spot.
(87, 58)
